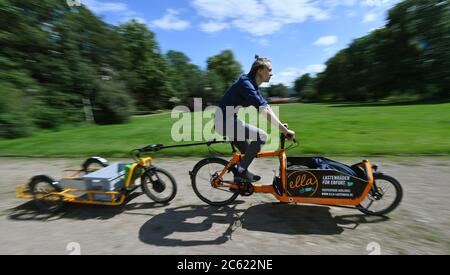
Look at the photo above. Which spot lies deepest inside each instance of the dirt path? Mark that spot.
(253, 225)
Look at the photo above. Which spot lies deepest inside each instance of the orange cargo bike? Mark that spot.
(301, 180)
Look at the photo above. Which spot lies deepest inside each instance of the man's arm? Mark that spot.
(268, 113)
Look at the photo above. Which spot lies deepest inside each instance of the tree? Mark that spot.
(225, 66)
(410, 55)
(111, 104)
(421, 29)
(212, 88)
(301, 83)
(185, 76)
(26, 43)
(145, 69)
(277, 90)
(305, 87)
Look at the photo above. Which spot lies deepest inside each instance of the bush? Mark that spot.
(112, 103)
(14, 119)
(309, 93)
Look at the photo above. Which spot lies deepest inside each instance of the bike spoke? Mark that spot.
(206, 189)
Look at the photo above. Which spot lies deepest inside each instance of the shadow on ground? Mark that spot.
(194, 224)
(29, 212)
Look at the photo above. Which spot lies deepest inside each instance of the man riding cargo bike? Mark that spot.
(245, 92)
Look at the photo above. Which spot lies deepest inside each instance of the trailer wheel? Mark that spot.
(159, 185)
(94, 164)
(43, 189)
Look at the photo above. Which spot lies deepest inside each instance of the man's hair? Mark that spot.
(260, 62)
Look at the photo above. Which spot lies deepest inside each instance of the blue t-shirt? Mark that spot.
(244, 92)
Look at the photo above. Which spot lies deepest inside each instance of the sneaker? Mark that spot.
(242, 177)
(254, 177)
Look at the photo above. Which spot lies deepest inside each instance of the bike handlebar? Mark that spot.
(283, 138)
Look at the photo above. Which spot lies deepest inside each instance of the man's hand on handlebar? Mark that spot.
(289, 134)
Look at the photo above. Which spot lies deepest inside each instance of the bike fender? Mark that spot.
(102, 160)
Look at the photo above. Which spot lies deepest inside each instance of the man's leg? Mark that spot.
(242, 146)
(259, 137)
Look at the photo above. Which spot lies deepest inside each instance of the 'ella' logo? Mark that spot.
(305, 182)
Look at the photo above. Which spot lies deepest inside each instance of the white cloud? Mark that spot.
(288, 76)
(378, 9)
(122, 10)
(375, 3)
(220, 10)
(315, 68)
(334, 3)
(260, 28)
(213, 26)
(330, 51)
(370, 17)
(170, 21)
(265, 17)
(102, 7)
(262, 17)
(326, 40)
(294, 11)
(350, 14)
(263, 42)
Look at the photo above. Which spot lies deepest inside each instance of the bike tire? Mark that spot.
(195, 182)
(40, 197)
(148, 178)
(393, 205)
(93, 164)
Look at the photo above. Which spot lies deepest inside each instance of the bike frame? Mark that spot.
(281, 154)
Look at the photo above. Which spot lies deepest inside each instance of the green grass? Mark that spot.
(422, 129)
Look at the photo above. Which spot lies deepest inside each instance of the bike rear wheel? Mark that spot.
(385, 196)
(203, 175)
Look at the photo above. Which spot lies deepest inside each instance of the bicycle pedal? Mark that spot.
(246, 190)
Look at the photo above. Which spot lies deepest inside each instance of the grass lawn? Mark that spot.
(325, 129)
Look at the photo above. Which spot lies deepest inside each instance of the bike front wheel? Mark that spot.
(385, 195)
(203, 176)
(159, 185)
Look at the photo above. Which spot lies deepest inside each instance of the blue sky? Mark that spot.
(299, 36)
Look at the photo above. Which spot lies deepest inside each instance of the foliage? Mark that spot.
(410, 55)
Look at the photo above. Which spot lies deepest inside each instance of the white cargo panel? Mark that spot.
(110, 178)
